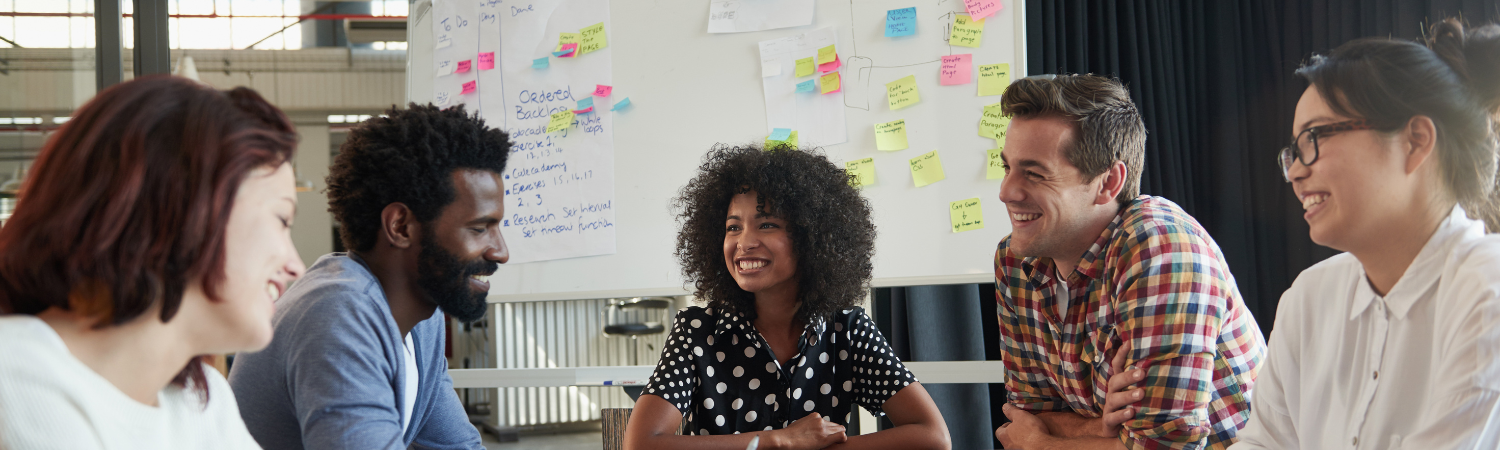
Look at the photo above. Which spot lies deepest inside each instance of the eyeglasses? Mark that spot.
(1306, 143)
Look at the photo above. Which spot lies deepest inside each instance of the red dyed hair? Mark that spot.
(128, 202)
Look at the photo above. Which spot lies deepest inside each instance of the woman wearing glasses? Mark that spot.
(1396, 343)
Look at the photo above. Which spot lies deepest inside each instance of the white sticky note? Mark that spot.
(770, 69)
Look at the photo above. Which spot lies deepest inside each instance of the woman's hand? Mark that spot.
(810, 432)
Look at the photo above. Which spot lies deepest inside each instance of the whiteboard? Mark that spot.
(690, 90)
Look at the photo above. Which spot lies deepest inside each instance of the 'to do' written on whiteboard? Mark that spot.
(736, 16)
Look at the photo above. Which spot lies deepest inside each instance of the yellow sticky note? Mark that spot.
(965, 215)
(927, 169)
(902, 93)
(593, 39)
(830, 82)
(567, 38)
(993, 123)
(993, 79)
(561, 120)
(826, 54)
(862, 171)
(791, 141)
(891, 136)
(806, 67)
(966, 32)
(994, 168)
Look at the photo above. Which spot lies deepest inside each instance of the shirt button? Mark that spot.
(1356, 441)
(1377, 375)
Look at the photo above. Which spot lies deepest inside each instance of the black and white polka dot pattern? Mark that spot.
(718, 371)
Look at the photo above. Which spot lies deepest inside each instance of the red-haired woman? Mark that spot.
(154, 228)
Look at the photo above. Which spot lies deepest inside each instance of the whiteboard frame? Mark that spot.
(419, 36)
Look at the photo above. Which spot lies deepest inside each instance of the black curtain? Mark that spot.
(1215, 85)
(947, 323)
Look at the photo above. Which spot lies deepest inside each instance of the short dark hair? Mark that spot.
(1109, 126)
(1454, 80)
(407, 156)
(832, 234)
(128, 202)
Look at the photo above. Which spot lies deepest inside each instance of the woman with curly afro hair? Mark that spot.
(779, 244)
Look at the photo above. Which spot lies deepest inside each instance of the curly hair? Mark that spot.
(829, 224)
(407, 156)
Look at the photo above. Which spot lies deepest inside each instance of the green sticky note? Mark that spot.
(993, 79)
(902, 93)
(891, 136)
(830, 82)
(826, 55)
(567, 38)
(965, 215)
(593, 39)
(967, 32)
(993, 123)
(561, 120)
(994, 168)
(791, 141)
(862, 171)
(806, 67)
(927, 169)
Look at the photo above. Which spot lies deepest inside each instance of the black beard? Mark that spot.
(444, 279)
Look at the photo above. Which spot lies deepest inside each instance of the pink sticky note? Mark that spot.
(584, 110)
(469, 88)
(831, 65)
(463, 66)
(569, 50)
(602, 90)
(955, 69)
(979, 9)
(487, 61)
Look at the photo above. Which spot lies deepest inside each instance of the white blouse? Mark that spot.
(51, 400)
(1418, 368)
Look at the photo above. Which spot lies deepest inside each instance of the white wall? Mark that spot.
(326, 80)
(312, 230)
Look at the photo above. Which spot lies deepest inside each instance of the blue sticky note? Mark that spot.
(901, 22)
(585, 103)
(780, 134)
(620, 104)
(559, 54)
(807, 86)
(540, 63)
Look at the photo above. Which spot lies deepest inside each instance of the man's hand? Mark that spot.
(1120, 397)
(1024, 430)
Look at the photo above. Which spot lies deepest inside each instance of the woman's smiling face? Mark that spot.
(1357, 185)
(757, 247)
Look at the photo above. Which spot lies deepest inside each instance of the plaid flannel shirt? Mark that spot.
(1154, 277)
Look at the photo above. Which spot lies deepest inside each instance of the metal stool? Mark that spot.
(635, 317)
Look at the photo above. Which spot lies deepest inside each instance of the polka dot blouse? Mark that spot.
(722, 376)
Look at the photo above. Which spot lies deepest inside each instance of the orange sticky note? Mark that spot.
(463, 66)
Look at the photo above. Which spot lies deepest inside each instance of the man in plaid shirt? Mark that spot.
(1095, 277)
